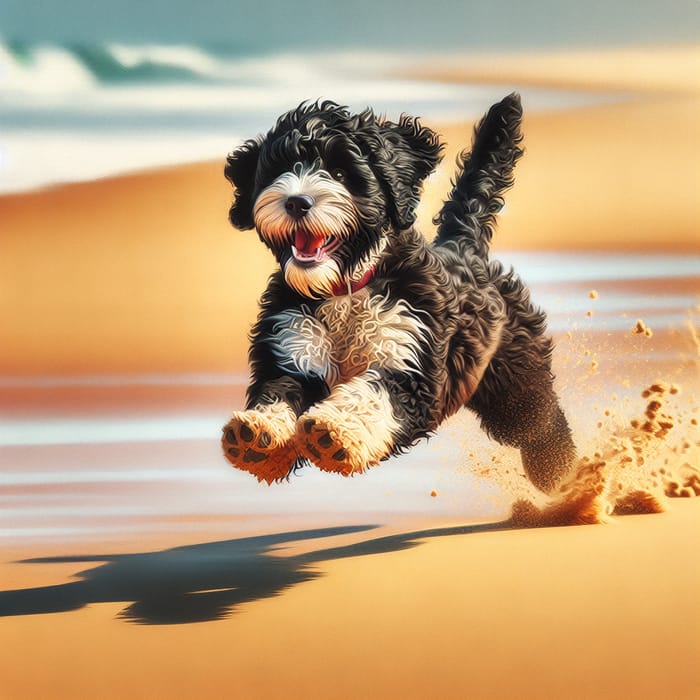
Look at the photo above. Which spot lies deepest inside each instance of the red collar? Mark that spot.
(341, 288)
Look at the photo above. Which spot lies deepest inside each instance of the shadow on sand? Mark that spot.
(204, 582)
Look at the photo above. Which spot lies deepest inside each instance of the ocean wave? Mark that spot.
(101, 109)
(47, 67)
(153, 77)
(39, 66)
(114, 64)
(41, 69)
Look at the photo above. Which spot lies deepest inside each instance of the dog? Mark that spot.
(369, 336)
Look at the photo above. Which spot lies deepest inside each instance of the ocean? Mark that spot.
(77, 113)
(92, 89)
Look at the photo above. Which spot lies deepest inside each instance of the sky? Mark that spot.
(247, 25)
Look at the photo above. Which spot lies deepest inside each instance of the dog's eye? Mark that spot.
(338, 175)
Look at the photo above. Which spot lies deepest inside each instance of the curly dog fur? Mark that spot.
(368, 336)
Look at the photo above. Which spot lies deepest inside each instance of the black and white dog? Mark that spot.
(368, 336)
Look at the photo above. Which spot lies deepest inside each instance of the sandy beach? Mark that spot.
(166, 234)
(596, 612)
(141, 275)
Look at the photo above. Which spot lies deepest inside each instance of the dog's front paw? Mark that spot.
(334, 447)
(259, 442)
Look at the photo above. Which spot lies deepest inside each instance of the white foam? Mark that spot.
(49, 71)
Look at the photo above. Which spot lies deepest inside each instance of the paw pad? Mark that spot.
(253, 456)
(325, 440)
(322, 444)
(249, 444)
(247, 435)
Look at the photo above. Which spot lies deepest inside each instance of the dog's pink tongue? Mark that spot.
(306, 243)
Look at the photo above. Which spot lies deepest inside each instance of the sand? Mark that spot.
(660, 70)
(430, 609)
(582, 612)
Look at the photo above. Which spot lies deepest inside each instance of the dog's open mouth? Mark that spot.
(311, 249)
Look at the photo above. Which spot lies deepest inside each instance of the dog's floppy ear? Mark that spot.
(240, 172)
(411, 152)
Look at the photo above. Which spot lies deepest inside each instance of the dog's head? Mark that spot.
(324, 188)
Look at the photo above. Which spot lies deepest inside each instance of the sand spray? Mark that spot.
(643, 451)
(635, 469)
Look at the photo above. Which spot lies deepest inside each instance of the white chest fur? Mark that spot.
(347, 336)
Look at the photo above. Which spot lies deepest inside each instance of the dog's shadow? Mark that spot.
(203, 582)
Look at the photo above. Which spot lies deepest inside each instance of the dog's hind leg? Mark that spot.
(515, 399)
(549, 451)
(531, 419)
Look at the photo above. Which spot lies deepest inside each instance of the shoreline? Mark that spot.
(653, 71)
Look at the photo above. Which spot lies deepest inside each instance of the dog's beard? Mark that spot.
(317, 281)
(328, 278)
(305, 246)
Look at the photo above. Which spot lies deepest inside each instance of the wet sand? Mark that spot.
(217, 603)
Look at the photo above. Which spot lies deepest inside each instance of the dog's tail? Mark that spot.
(484, 175)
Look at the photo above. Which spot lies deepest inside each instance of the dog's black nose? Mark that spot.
(298, 205)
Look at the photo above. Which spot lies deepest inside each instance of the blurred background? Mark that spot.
(126, 297)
